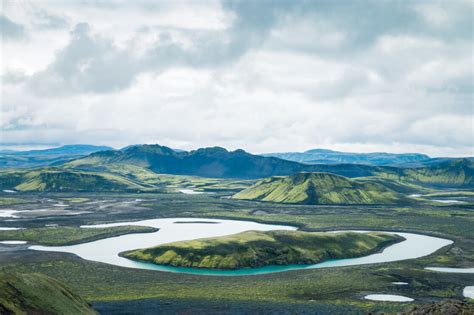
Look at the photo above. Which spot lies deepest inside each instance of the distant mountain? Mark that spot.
(319, 188)
(35, 158)
(38, 294)
(213, 162)
(323, 156)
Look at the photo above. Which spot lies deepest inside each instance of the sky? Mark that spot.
(264, 76)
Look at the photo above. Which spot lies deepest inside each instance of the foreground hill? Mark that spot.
(319, 188)
(447, 307)
(36, 158)
(38, 294)
(323, 156)
(253, 249)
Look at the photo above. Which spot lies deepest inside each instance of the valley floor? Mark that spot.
(323, 291)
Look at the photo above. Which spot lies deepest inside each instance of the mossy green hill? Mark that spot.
(319, 188)
(458, 172)
(38, 294)
(57, 179)
(253, 249)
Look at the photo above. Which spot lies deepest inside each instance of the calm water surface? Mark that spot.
(107, 250)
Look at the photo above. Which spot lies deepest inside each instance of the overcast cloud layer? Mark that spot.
(264, 76)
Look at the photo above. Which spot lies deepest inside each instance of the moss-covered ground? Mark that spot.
(67, 235)
(314, 290)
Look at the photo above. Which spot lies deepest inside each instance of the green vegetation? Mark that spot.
(170, 183)
(38, 294)
(56, 179)
(76, 200)
(7, 201)
(58, 236)
(116, 177)
(253, 249)
(455, 193)
(459, 172)
(319, 188)
(141, 168)
(315, 290)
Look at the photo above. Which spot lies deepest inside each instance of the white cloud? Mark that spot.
(202, 74)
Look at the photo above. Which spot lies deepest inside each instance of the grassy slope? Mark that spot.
(319, 188)
(256, 249)
(56, 179)
(58, 236)
(7, 201)
(170, 182)
(38, 294)
(108, 178)
(458, 172)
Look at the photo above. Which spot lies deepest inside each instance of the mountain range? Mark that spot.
(140, 168)
(324, 156)
(217, 162)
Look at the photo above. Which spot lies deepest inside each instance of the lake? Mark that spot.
(172, 230)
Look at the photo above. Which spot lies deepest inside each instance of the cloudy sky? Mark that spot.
(264, 76)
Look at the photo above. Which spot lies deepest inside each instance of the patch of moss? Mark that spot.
(58, 236)
(38, 294)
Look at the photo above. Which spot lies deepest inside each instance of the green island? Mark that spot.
(67, 235)
(254, 249)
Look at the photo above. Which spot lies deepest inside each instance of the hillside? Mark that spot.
(323, 156)
(319, 188)
(37, 158)
(253, 249)
(55, 179)
(38, 294)
(458, 172)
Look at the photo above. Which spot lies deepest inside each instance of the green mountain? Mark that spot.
(253, 249)
(38, 294)
(323, 156)
(55, 179)
(319, 188)
(458, 172)
(37, 158)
